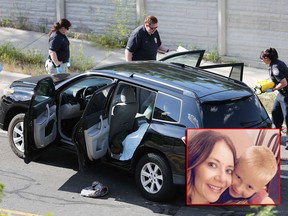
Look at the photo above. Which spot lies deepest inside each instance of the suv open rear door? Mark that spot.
(233, 70)
(40, 128)
(194, 58)
(189, 58)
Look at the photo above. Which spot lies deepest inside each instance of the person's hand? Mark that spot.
(59, 69)
(69, 63)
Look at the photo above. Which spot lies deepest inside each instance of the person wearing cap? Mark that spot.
(59, 53)
(144, 42)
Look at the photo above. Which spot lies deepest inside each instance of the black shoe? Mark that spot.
(286, 147)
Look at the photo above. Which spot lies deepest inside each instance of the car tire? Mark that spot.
(16, 136)
(154, 178)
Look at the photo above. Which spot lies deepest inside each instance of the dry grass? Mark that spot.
(267, 100)
(32, 70)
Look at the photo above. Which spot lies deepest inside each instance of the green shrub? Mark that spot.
(9, 54)
(212, 56)
(80, 63)
(115, 35)
(32, 62)
(263, 211)
(25, 61)
(1, 191)
(6, 22)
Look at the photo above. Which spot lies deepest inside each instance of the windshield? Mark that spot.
(247, 112)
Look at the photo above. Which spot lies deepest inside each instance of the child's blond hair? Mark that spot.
(261, 161)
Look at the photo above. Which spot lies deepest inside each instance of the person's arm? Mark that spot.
(280, 85)
(163, 49)
(54, 58)
(128, 55)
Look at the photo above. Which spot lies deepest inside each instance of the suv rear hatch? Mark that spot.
(245, 111)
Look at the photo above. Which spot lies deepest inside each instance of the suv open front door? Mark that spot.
(40, 128)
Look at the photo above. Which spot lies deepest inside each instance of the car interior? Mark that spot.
(130, 107)
(73, 102)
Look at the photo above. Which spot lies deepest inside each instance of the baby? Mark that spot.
(255, 168)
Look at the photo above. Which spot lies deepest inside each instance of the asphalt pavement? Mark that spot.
(29, 40)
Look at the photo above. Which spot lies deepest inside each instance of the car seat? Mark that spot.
(123, 113)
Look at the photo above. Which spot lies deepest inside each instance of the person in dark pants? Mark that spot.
(144, 42)
(278, 72)
(59, 53)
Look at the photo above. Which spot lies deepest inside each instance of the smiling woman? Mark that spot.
(209, 173)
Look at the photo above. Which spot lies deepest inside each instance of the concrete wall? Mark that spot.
(253, 25)
(236, 28)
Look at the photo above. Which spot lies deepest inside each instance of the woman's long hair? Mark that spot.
(58, 25)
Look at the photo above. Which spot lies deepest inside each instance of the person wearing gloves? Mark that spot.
(59, 53)
(278, 72)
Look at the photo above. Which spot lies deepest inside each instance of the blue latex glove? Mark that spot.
(269, 90)
(0, 67)
(59, 69)
(69, 63)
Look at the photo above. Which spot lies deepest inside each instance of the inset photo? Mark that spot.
(233, 167)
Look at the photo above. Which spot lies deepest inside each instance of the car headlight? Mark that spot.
(8, 91)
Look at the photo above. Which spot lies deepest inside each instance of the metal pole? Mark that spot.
(60, 9)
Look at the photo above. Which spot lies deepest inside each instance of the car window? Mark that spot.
(246, 112)
(93, 82)
(190, 58)
(167, 108)
(144, 98)
(82, 91)
(99, 101)
(43, 91)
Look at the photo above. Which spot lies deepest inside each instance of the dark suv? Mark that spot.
(132, 115)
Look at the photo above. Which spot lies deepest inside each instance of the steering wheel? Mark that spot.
(87, 93)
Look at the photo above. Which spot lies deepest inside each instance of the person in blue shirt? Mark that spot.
(59, 53)
(144, 42)
(278, 72)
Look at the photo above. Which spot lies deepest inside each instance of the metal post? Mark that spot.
(60, 9)
(140, 10)
(222, 28)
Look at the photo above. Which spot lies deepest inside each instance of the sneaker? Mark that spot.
(95, 190)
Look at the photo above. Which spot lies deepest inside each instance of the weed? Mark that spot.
(212, 56)
(267, 100)
(263, 211)
(31, 62)
(1, 191)
(116, 34)
(79, 63)
(6, 22)
(15, 59)
(22, 23)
